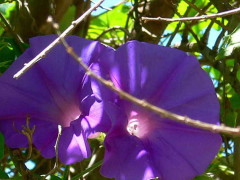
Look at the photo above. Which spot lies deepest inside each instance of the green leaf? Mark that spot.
(235, 101)
(9, 51)
(230, 62)
(3, 175)
(96, 165)
(238, 74)
(1, 146)
(212, 72)
(215, 74)
(7, 8)
(172, 26)
(67, 18)
(66, 172)
(55, 178)
(17, 178)
(115, 17)
(230, 44)
(230, 119)
(203, 177)
(182, 7)
(200, 4)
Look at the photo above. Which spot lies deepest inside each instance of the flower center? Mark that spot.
(133, 127)
(139, 126)
(71, 113)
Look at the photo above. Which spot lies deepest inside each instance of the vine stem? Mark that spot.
(209, 16)
(56, 151)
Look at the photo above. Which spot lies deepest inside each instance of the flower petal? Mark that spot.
(60, 68)
(56, 90)
(98, 120)
(169, 79)
(44, 138)
(137, 66)
(73, 146)
(163, 76)
(55, 83)
(126, 159)
(12, 133)
(185, 152)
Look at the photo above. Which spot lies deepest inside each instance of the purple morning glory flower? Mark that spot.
(140, 144)
(56, 91)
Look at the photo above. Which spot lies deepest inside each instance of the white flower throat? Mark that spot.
(133, 127)
(139, 126)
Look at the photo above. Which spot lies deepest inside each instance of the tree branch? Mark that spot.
(210, 16)
(203, 13)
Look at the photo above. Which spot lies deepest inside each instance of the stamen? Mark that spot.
(133, 127)
(139, 125)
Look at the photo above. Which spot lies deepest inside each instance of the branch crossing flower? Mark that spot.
(139, 144)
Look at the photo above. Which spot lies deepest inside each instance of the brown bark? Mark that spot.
(30, 18)
(156, 8)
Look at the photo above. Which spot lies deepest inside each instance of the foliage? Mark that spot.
(215, 42)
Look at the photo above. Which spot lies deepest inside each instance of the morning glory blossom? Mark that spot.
(55, 91)
(140, 144)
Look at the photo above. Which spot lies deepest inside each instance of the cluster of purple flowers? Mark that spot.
(139, 144)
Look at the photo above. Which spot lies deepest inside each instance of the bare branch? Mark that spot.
(209, 16)
(28, 65)
(201, 12)
(56, 151)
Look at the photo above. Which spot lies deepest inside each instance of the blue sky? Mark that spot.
(107, 4)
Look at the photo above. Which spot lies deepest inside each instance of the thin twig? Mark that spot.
(218, 40)
(178, 26)
(236, 154)
(88, 170)
(57, 144)
(203, 13)
(56, 151)
(114, 28)
(28, 65)
(209, 16)
(205, 38)
(28, 132)
(142, 103)
(9, 28)
(106, 8)
(19, 163)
